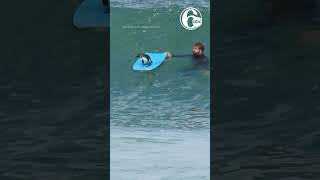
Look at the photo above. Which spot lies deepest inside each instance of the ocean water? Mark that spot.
(53, 112)
(267, 97)
(160, 120)
(52, 95)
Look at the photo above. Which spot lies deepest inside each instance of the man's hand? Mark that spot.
(169, 55)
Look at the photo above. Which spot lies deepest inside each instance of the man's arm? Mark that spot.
(170, 55)
(183, 55)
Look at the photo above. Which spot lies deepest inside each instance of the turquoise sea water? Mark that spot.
(160, 120)
(53, 97)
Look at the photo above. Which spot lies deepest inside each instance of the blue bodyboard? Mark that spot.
(156, 58)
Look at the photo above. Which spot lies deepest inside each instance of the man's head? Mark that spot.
(198, 49)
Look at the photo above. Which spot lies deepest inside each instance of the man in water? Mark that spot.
(198, 57)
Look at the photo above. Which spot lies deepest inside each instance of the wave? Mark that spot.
(139, 4)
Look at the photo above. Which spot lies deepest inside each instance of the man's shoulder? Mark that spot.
(205, 59)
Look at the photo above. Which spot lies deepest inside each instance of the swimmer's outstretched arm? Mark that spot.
(182, 55)
(170, 55)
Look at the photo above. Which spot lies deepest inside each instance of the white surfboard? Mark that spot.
(91, 14)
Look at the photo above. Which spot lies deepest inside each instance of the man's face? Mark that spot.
(196, 51)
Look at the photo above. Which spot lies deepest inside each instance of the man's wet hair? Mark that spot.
(199, 45)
